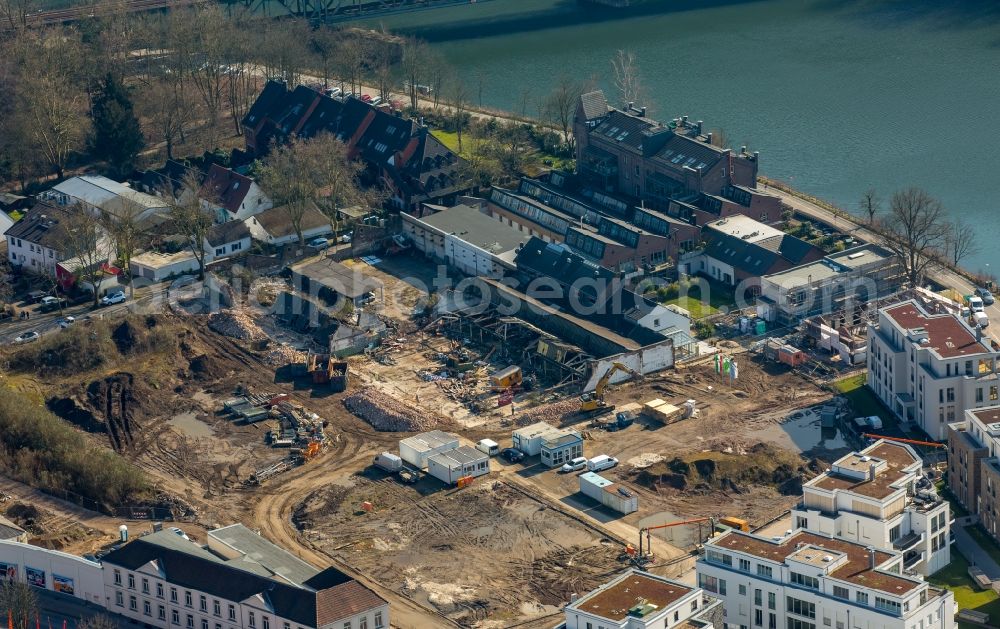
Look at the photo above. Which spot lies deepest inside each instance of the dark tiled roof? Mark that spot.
(688, 151)
(228, 232)
(622, 128)
(793, 249)
(42, 225)
(758, 258)
(226, 187)
(594, 105)
(272, 93)
(558, 262)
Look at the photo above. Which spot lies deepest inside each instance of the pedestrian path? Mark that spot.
(976, 555)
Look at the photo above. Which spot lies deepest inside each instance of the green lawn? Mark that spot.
(694, 305)
(985, 542)
(956, 578)
(864, 402)
(447, 138)
(719, 297)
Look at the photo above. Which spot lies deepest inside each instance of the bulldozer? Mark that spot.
(593, 402)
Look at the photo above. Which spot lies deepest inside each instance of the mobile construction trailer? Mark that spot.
(555, 445)
(612, 495)
(417, 449)
(452, 465)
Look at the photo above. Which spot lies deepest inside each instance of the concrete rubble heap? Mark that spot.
(236, 324)
(385, 412)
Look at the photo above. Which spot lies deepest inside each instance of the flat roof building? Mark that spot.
(451, 465)
(555, 445)
(417, 449)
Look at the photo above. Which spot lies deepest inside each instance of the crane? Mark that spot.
(929, 444)
(594, 402)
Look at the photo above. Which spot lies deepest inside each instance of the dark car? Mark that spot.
(985, 295)
(512, 454)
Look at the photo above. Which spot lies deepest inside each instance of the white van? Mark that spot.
(488, 447)
(601, 462)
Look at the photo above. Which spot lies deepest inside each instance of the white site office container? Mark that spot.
(416, 449)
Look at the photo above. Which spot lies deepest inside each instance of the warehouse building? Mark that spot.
(610, 494)
(554, 445)
(461, 462)
(417, 449)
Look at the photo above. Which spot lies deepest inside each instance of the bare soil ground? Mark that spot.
(483, 553)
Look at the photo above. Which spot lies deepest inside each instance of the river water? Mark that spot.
(837, 95)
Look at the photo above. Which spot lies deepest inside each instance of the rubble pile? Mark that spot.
(281, 355)
(552, 413)
(386, 413)
(236, 324)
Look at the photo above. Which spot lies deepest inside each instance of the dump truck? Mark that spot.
(323, 369)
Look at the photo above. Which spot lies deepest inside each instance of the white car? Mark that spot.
(601, 462)
(573, 465)
(116, 297)
(28, 337)
(66, 322)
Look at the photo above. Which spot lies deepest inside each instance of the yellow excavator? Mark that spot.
(593, 403)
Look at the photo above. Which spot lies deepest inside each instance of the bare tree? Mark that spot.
(626, 70)
(383, 70)
(915, 230)
(101, 621)
(123, 223)
(14, 13)
(20, 602)
(191, 219)
(87, 246)
(168, 107)
(285, 178)
(353, 54)
(414, 67)
(459, 107)
(325, 48)
(960, 241)
(438, 73)
(560, 105)
(871, 204)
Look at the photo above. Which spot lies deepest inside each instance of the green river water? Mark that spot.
(837, 96)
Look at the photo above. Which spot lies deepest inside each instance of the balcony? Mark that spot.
(908, 541)
(911, 559)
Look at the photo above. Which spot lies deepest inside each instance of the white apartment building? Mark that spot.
(810, 581)
(38, 241)
(163, 580)
(928, 369)
(878, 497)
(640, 600)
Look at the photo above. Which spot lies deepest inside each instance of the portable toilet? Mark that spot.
(760, 327)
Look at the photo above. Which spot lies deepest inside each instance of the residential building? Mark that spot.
(158, 266)
(973, 466)
(163, 580)
(38, 242)
(847, 280)
(234, 197)
(741, 249)
(273, 227)
(879, 497)
(699, 208)
(227, 239)
(97, 193)
(622, 151)
(807, 580)
(6, 222)
(527, 214)
(641, 600)
(464, 237)
(555, 445)
(929, 368)
(399, 153)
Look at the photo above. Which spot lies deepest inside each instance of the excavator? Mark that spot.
(593, 403)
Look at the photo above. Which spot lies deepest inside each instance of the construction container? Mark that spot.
(592, 485)
(735, 523)
(506, 378)
(415, 450)
(323, 369)
(620, 499)
(388, 462)
(452, 465)
(760, 327)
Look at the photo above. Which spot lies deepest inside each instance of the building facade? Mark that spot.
(973, 466)
(806, 580)
(878, 497)
(929, 369)
(640, 600)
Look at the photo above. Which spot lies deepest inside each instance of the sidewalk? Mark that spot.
(975, 553)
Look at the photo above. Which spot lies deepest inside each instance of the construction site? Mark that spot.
(235, 421)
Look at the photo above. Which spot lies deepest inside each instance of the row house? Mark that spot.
(399, 153)
(807, 580)
(623, 151)
(879, 497)
(973, 466)
(699, 208)
(929, 369)
(163, 580)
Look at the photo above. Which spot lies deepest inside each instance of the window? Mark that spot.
(805, 580)
(204, 624)
(147, 609)
(133, 604)
(145, 585)
(159, 590)
(253, 621)
(119, 599)
(758, 618)
(219, 251)
(363, 623)
(887, 605)
(161, 612)
(771, 601)
(187, 598)
(265, 622)
(745, 565)
(764, 571)
(800, 608)
(993, 393)
(742, 590)
(173, 595)
(951, 394)
(175, 617)
(190, 621)
(286, 626)
(795, 623)
(203, 603)
(236, 246)
(216, 608)
(378, 620)
(118, 576)
(232, 612)
(758, 597)
(131, 581)
(841, 592)
(347, 624)
(772, 621)
(712, 584)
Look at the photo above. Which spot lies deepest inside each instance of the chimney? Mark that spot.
(573, 597)
(628, 105)
(743, 150)
(699, 124)
(709, 137)
(642, 111)
(871, 472)
(871, 558)
(421, 121)
(756, 155)
(684, 120)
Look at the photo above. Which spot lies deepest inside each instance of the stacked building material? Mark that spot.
(387, 413)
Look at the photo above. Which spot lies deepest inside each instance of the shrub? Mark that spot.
(703, 329)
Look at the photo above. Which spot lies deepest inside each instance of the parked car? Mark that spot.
(512, 455)
(115, 297)
(985, 295)
(574, 465)
(332, 91)
(366, 98)
(65, 322)
(376, 101)
(319, 243)
(35, 296)
(347, 237)
(50, 303)
(601, 462)
(28, 337)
